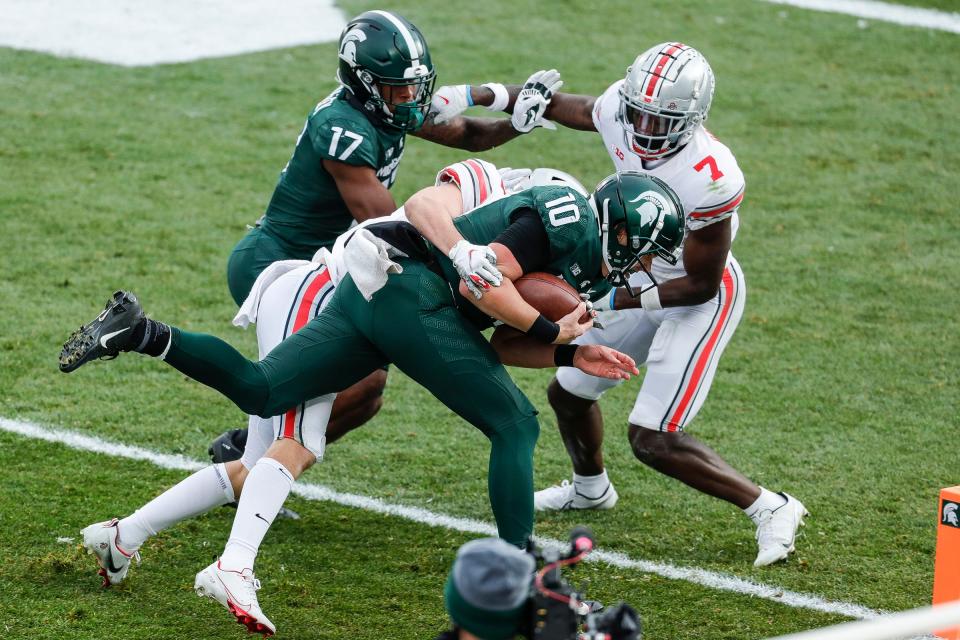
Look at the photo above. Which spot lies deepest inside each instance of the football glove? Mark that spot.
(476, 265)
(532, 102)
(515, 179)
(448, 102)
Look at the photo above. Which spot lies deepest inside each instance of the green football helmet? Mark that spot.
(643, 211)
(381, 52)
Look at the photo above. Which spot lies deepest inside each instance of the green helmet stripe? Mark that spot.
(405, 33)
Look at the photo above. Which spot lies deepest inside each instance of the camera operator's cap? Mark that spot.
(488, 587)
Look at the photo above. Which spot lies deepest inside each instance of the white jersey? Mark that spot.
(704, 174)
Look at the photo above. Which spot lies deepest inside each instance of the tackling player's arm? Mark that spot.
(571, 110)
(472, 134)
(517, 349)
(704, 258)
(364, 194)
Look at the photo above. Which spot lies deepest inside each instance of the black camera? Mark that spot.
(558, 612)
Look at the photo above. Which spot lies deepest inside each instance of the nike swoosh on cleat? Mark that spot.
(104, 338)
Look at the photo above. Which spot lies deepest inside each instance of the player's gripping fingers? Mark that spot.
(550, 81)
(448, 102)
(485, 266)
(570, 325)
(476, 285)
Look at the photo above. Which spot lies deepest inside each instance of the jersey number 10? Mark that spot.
(563, 210)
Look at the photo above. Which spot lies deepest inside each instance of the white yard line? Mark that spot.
(710, 579)
(884, 12)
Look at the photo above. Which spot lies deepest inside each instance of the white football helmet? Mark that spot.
(664, 98)
(546, 177)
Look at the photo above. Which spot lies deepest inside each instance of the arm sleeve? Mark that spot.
(346, 141)
(527, 239)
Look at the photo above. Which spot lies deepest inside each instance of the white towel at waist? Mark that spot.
(248, 310)
(368, 260)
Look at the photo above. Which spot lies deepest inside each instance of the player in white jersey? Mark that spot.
(684, 314)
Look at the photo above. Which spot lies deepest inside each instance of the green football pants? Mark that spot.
(254, 253)
(412, 322)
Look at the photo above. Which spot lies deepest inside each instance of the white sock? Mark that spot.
(591, 486)
(263, 494)
(208, 488)
(768, 501)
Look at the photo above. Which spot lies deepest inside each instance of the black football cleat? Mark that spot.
(106, 335)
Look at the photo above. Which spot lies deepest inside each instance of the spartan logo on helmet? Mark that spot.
(651, 206)
(950, 514)
(348, 45)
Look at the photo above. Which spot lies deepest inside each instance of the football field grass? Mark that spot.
(839, 386)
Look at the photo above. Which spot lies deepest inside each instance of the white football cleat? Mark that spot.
(237, 591)
(564, 496)
(100, 539)
(777, 530)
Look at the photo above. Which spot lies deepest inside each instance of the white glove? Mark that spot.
(515, 179)
(533, 100)
(476, 266)
(448, 102)
(606, 302)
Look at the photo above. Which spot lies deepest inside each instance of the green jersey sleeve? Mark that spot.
(350, 140)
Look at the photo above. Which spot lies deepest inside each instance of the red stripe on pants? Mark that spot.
(303, 315)
(700, 367)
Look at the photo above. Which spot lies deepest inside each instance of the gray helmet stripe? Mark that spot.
(407, 36)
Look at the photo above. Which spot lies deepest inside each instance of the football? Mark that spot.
(549, 294)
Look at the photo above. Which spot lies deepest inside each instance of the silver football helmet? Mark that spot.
(664, 98)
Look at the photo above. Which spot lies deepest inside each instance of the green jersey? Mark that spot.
(575, 251)
(306, 211)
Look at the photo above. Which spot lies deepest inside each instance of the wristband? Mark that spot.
(469, 97)
(500, 96)
(650, 299)
(563, 355)
(544, 330)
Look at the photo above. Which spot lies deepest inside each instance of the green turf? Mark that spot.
(839, 385)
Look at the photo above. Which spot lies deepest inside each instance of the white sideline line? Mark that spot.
(883, 11)
(711, 579)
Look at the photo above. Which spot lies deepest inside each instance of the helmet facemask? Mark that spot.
(655, 133)
(407, 112)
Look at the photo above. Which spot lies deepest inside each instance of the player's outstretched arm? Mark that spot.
(517, 349)
(570, 110)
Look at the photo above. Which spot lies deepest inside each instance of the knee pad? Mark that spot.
(648, 412)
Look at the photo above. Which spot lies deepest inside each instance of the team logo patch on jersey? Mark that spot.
(575, 269)
(950, 514)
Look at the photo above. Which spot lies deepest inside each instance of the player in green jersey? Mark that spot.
(345, 160)
(427, 321)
